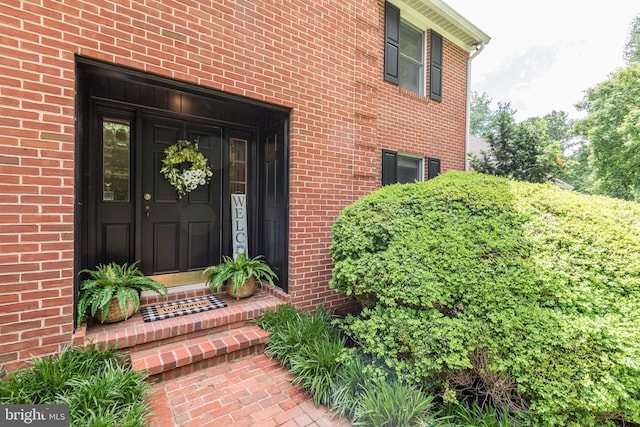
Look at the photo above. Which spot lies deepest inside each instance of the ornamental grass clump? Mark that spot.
(98, 387)
(522, 295)
(394, 404)
(290, 330)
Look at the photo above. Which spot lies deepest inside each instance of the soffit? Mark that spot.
(437, 15)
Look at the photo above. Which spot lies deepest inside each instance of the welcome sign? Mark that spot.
(239, 224)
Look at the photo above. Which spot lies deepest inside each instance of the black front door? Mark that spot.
(178, 234)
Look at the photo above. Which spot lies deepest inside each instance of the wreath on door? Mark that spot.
(185, 167)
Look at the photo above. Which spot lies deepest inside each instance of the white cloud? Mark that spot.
(543, 55)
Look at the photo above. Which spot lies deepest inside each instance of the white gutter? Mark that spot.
(439, 16)
(460, 21)
(479, 48)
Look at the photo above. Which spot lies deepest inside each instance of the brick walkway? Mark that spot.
(251, 392)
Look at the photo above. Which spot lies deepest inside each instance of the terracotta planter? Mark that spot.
(115, 314)
(243, 291)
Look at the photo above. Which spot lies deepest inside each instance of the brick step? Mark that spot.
(135, 332)
(183, 344)
(179, 358)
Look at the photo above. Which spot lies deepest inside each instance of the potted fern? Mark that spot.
(239, 275)
(112, 292)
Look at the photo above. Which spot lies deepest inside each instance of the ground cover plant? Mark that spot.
(522, 296)
(355, 385)
(98, 387)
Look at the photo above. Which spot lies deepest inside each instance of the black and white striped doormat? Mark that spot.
(181, 307)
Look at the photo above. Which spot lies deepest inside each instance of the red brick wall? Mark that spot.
(323, 59)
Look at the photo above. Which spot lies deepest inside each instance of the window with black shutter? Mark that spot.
(392, 43)
(401, 168)
(403, 52)
(433, 167)
(389, 167)
(435, 82)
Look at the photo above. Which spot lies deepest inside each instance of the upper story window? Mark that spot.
(411, 58)
(404, 55)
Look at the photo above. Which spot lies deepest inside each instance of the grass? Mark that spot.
(98, 387)
(290, 330)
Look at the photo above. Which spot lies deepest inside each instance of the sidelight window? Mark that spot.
(116, 160)
(238, 167)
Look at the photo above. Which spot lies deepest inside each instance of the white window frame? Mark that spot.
(422, 72)
(402, 155)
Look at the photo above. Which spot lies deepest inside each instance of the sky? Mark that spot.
(544, 54)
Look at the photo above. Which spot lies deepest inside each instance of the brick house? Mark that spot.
(304, 106)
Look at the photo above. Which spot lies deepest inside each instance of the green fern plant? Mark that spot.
(123, 282)
(237, 271)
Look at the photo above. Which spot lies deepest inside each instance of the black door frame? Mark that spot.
(222, 109)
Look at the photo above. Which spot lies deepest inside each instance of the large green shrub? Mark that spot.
(519, 293)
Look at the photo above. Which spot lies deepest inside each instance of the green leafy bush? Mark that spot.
(98, 388)
(525, 294)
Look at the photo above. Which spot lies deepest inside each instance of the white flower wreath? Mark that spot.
(185, 179)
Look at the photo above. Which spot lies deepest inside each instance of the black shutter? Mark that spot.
(392, 43)
(435, 84)
(433, 167)
(389, 167)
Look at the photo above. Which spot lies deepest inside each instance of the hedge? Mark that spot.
(523, 294)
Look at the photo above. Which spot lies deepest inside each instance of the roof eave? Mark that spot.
(450, 23)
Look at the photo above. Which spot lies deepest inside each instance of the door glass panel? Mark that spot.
(238, 169)
(116, 160)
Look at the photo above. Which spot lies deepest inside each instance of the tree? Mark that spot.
(559, 127)
(578, 170)
(522, 151)
(632, 48)
(481, 115)
(612, 127)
